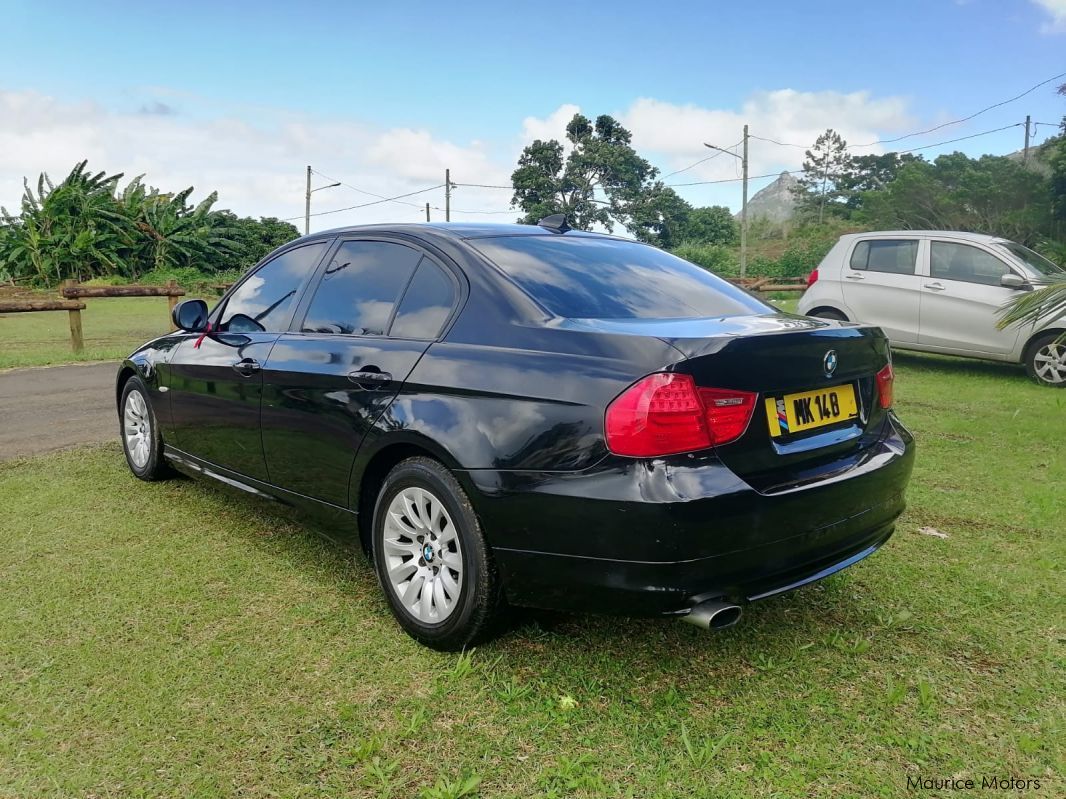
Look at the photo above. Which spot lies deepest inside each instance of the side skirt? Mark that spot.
(332, 521)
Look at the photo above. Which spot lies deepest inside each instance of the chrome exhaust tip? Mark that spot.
(713, 615)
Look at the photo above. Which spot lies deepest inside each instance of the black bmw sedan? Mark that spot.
(531, 415)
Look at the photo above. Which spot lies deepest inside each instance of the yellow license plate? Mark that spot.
(794, 413)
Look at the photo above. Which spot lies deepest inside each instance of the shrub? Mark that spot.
(721, 260)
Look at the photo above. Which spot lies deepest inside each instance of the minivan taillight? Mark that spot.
(885, 378)
(665, 414)
(812, 278)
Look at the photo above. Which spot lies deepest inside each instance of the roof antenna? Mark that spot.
(556, 223)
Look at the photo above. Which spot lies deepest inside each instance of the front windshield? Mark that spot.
(1035, 261)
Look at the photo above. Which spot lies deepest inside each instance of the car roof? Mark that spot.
(457, 230)
(980, 238)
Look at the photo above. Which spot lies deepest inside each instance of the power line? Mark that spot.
(482, 186)
(702, 160)
(1030, 90)
(961, 138)
(364, 191)
(375, 202)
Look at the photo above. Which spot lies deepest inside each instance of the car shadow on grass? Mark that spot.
(548, 644)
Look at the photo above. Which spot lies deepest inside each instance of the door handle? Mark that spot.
(855, 277)
(246, 367)
(371, 378)
(935, 286)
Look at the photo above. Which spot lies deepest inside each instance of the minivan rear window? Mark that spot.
(585, 277)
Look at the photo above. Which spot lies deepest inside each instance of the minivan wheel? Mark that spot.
(141, 440)
(1046, 362)
(432, 561)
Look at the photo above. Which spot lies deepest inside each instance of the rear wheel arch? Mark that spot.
(828, 309)
(377, 468)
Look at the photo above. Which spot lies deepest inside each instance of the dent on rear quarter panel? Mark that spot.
(521, 409)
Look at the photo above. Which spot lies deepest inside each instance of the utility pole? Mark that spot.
(307, 200)
(447, 195)
(743, 202)
(427, 212)
(1025, 152)
(307, 203)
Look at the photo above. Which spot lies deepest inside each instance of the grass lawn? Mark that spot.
(112, 328)
(170, 640)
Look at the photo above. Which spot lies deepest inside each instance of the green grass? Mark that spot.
(111, 328)
(170, 640)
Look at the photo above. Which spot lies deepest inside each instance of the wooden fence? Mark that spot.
(73, 292)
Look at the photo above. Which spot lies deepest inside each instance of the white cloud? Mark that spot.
(552, 126)
(1057, 10)
(678, 132)
(256, 157)
(258, 168)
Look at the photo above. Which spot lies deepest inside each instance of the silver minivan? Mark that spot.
(940, 291)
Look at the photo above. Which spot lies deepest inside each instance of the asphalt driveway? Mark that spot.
(55, 407)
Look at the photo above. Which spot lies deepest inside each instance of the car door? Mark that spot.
(377, 307)
(881, 286)
(960, 298)
(215, 380)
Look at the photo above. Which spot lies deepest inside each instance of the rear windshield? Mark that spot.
(600, 278)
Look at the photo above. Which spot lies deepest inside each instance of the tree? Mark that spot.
(74, 229)
(864, 173)
(991, 194)
(602, 181)
(712, 224)
(823, 166)
(85, 227)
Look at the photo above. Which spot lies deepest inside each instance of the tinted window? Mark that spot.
(360, 287)
(950, 261)
(599, 278)
(881, 255)
(265, 301)
(1034, 260)
(425, 305)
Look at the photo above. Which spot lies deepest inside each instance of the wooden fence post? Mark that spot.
(172, 300)
(77, 343)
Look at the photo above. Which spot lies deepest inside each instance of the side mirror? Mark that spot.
(1013, 281)
(190, 316)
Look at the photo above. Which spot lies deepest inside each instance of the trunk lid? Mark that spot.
(778, 356)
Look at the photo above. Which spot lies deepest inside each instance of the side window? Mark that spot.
(426, 304)
(951, 261)
(359, 288)
(265, 301)
(886, 255)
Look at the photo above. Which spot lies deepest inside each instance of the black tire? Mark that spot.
(1038, 369)
(825, 313)
(474, 613)
(154, 466)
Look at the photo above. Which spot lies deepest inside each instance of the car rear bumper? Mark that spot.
(653, 538)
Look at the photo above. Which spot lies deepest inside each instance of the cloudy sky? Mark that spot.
(241, 96)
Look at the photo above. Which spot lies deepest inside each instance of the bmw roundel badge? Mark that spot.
(829, 363)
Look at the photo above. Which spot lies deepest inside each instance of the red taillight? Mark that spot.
(665, 414)
(885, 379)
(812, 278)
(728, 413)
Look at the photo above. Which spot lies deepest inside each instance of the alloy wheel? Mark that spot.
(423, 555)
(137, 429)
(1049, 363)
